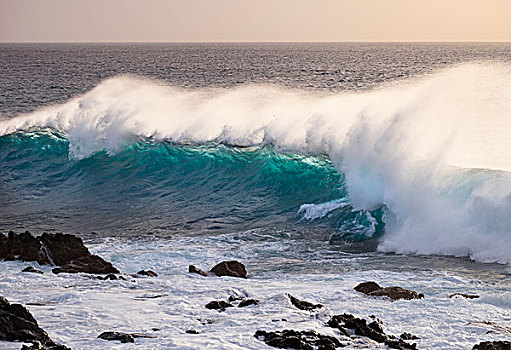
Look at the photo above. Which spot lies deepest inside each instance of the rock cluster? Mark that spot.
(18, 324)
(493, 345)
(290, 339)
(395, 293)
(225, 268)
(64, 250)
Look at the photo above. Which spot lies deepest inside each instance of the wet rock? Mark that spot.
(18, 324)
(194, 269)
(248, 302)
(147, 273)
(87, 264)
(303, 305)
(191, 331)
(230, 268)
(218, 305)
(467, 296)
(62, 248)
(38, 346)
(408, 336)
(22, 246)
(122, 337)
(31, 269)
(348, 324)
(394, 293)
(290, 339)
(367, 287)
(110, 277)
(493, 345)
(235, 298)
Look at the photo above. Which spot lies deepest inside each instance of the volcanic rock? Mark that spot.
(122, 337)
(303, 305)
(248, 302)
(87, 264)
(194, 269)
(18, 324)
(230, 268)
(31, 269)
(218, 305)
(373, 330)
(493, 345)
(291, 339)
(394, 293)
(147, 273)
(367, 287)
(467, 296)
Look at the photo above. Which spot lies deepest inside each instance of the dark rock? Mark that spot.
(63, 248)
(408, 336)
(24, 246)
(38, 346)
(396, 293)
(367, 287)
(193, 269)
(147, 273)
(218, 305)
(248, 302)
(234, 298)
(230, 268)
(290, 339)
(303, 305)
(191, 331)
(493, 345)
(18, 324)
(87, 264)
(468, 296)
(373, 330)
(31, 269)
(122, 337)
(110, 277)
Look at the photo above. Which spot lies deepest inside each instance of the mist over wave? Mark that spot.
(435, 152)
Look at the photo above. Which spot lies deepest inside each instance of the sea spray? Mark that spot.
(433, 152)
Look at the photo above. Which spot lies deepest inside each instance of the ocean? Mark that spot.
(317, 165)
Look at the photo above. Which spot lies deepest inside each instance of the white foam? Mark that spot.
(397, 146)
(317, 211)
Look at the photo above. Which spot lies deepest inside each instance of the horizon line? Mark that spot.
(256, 42)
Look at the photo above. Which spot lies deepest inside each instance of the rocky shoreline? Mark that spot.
(69, 255)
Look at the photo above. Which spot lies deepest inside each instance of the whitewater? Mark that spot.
(433, 152)
(318, 166)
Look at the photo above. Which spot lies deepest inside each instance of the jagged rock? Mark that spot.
(468, 296)
(373, 330)
(493, 345)
(394, 293)
(122, 337)
(147, 273)
(87, 264)
(194, 269)
(18, 324)
(367, 287)
(38, 346)
(24, 246)
(63, 248)
(408, 336)
(303, 305)
(291, 339)
(31, 269)
(218, 305)
(248, 302)
(230, 268)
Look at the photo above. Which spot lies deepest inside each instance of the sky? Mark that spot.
(254, 20)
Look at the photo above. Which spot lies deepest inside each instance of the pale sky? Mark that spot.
(254, 20)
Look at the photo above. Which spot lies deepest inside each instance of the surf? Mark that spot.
(428, 158)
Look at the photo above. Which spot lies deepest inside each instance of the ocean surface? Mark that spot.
(319, 166)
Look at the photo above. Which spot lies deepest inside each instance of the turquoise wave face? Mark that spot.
(163, 188)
